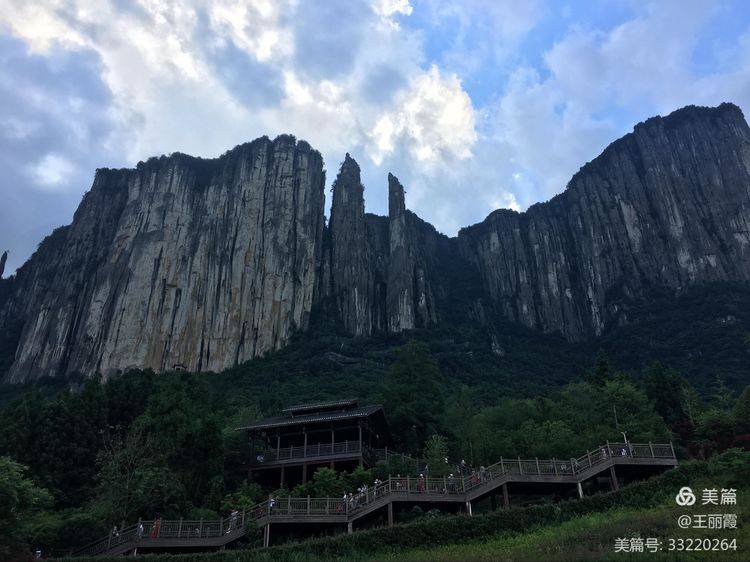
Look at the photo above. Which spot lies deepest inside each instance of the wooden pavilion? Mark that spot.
(340, 434)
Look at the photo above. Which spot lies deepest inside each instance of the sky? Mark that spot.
(474, 105)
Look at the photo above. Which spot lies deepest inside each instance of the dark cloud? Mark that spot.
(54, 105)
(381, 83)
(328, 36)
(252, 83)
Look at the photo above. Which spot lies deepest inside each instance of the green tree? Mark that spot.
(716, 429)
(188, 436)
(741, 411)
(20, 499)
(602, 371)
(436, 455)
(246, 496)
(667, 389)
(327, 483)
(135, 482)
(413, 394)
(458, 416)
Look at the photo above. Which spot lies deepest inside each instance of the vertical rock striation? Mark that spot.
(351, 275)
(203, 264)
(668, 205)
(180, 263)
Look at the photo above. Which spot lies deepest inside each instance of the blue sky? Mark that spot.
(474, 105)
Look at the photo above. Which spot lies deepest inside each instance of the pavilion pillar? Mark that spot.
(390, 514)
(580, 490)
(506, 498)
(304, 473)
(350, 528)
(493, 502)
(361, 447)
(613, 478)
(468, 508)
(281, 480)
(267, 535)
(304, 450)
(278, 445)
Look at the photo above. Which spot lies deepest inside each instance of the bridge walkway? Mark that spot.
(179, 534)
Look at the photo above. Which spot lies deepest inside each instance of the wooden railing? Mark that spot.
(309, 451)
(395, 488)
(148, 531)
(459, 485)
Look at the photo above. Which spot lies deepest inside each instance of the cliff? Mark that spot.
(179, 263)
(203, 264)
(667, 205)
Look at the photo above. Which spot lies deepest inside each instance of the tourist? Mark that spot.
(604, 453)
(232, 520)
(474, 477)
(482, 473)
(156, 528)
(139, 531)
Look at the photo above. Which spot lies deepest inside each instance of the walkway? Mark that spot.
(462, 489)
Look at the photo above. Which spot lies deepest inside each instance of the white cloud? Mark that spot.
(434, 118)
(598, 85)
(255, 27)
(52, 171)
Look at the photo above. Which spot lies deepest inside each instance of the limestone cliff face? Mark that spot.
(379, 271)
(351, 277)
(202, 264)
(665, 206)
(181, 262)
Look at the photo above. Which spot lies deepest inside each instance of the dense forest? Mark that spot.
(78, 460)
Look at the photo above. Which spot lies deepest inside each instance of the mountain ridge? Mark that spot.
(242, 237)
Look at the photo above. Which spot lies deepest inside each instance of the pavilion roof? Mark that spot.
(289, 420)
(346, 403)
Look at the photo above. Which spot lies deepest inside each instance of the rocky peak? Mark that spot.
(350, 255)
(3, 259)
(396, 203)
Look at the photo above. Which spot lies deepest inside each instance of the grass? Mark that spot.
(591, 537)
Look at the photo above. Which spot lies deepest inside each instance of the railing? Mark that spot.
(459, 485)
(147, 531)
(385, 454)
(395, 488)
(420, 465)
(309, 451)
